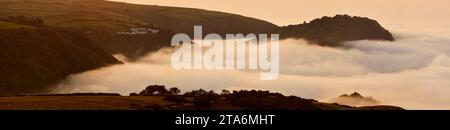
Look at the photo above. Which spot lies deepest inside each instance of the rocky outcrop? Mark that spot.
(332, 31)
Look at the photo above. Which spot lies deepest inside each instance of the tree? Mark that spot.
(195, 93)
(211, 92)
(174, 91)
(39, 21)
(153, 90)
(225, 92)
(134, 94)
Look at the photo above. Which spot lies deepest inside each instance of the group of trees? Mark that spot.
(243, 99)
(160, 90)
(332, 31)
(157, 90)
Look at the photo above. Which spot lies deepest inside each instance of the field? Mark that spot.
(117, 15)
(81, 102)
(8, 25)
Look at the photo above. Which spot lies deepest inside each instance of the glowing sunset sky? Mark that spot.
(284, 12)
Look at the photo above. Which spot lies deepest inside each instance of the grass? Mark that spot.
(57, 11)
(80, 102)
(8, 25)
(132, 103)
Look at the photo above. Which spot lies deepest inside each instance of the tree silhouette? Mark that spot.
(225, 92)
(174, 91)
(153, 90)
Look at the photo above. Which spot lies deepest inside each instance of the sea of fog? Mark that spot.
(413, 72)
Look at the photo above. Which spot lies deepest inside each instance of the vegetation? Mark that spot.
(35, 58)
(330, 31)
(77, 94)
(88, 102)
(43, 42)
(9, 25)
(243, 100)
(25, 21)
(101, 20)
(203, 100)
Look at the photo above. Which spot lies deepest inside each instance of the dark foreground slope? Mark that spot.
(33, 58)
(92, 102)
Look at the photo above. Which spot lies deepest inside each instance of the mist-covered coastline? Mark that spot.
(395, 73)
(398, 55)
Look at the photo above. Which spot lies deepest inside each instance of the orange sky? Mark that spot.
(284, 12)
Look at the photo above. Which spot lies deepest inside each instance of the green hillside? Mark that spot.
(104, 19)
(78, 13)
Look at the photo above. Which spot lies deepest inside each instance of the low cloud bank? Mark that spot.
(412, 72)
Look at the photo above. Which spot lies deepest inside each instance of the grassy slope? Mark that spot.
(116, 16)
(77, 13)
(105, 18)
(46, 56)
(127, 103)
(80, 103)
(9, 25)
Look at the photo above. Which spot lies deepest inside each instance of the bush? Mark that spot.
(134, 94)
(174, 91)
(174, 98)
(154, 90)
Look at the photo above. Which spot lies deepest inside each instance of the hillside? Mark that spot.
(330, 31)
(99, 102)
(35, 57)
(157, 97)
(355, 99)
(78, 13)
(103, 20)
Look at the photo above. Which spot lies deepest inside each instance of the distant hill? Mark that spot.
(330, 31)
(102, 20)
(355, 99)
(35, 57)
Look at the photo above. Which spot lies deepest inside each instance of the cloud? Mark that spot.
(411, 72)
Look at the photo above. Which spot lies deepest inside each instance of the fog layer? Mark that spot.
(412, 72)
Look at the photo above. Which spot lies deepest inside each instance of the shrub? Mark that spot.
(175, 98)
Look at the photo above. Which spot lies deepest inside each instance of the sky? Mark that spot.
(285, 12)
(412, 72)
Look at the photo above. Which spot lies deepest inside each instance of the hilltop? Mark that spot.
(330, 31)
(355, 99)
